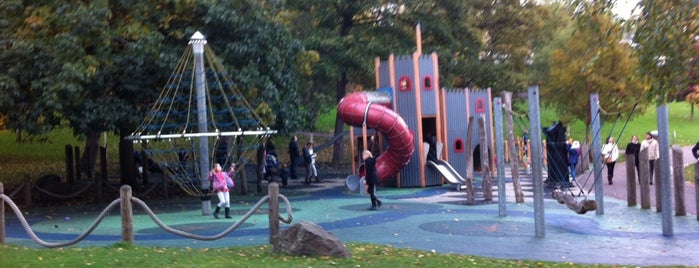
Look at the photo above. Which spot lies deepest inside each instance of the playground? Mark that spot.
(434, 218)
(428, 153)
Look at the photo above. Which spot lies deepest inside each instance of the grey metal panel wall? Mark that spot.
(428, 98)
(457, 123)
(482, 96)
(406, 107)
(384, 74)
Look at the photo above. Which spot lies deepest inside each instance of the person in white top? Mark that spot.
(653, 153)
(610, 153)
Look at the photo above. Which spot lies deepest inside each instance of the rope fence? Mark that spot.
(126, 202)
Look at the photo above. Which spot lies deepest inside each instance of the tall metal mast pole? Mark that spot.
(198, 41)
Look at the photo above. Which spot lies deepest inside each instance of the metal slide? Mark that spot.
(449, 173)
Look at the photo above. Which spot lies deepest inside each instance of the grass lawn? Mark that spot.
(363, 255)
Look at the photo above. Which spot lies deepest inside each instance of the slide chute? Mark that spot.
(372, 109)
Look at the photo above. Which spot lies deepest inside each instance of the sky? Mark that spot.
(623, 8)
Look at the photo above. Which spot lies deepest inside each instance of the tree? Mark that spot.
(665, 34)
(99, 64)
(592, 60)
(693, 99)
(339, 33)
(513, 33)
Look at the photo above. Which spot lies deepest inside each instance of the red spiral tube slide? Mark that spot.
(355, 108)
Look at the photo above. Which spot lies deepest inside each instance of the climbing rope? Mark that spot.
(233, 129)
(151, 214)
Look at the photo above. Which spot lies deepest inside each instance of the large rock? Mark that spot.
(307, 238)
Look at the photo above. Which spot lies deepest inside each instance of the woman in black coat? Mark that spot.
(371, 178)
(634, 147)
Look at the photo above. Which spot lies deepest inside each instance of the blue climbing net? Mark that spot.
(171, 133)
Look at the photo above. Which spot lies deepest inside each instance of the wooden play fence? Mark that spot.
(126, 201)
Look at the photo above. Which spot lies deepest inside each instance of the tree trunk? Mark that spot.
(89, 157)
(127, 165)
(514, 161)
(338, 149)
(18, 135)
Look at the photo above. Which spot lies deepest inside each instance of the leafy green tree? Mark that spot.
(592, 60)
(512, 34)
(339, 33)
(693, 99)
(99, 64)
(666, 32)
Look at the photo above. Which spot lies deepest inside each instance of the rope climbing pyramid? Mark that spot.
(200, 118)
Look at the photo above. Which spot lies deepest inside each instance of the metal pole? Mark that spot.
(536, 160)
(2, 215)
(597, 152)
(198, 41)
(500, 156)
(664, 168)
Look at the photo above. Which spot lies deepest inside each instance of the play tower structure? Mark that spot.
(408, 115)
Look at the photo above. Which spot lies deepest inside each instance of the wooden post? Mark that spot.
(126, 214)
(2, 215)
(515, 155)
(103, 173)
(470, 192)
(28, 185)
(643, 175)
(545, 153)
(678, 171)
(507, 153)
(145, 164)
(70, 171)
(273, 190)
(696, 185)
(631, 180)
(165, 182)
(76, 154)
(485, 160)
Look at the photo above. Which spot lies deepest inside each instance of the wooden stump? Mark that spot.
(572, 204)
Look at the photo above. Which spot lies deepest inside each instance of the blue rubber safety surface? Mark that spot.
(432, 219)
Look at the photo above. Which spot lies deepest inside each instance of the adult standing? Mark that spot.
(271, 149)
(293, 157)
(653, 153)
(573, 156)
(432, 152)
(371, 178)
(610, 152)
(634, 147)
(220, 183)
(260, 171)
(308, 159)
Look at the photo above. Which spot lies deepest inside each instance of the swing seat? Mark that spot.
(580, 208)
